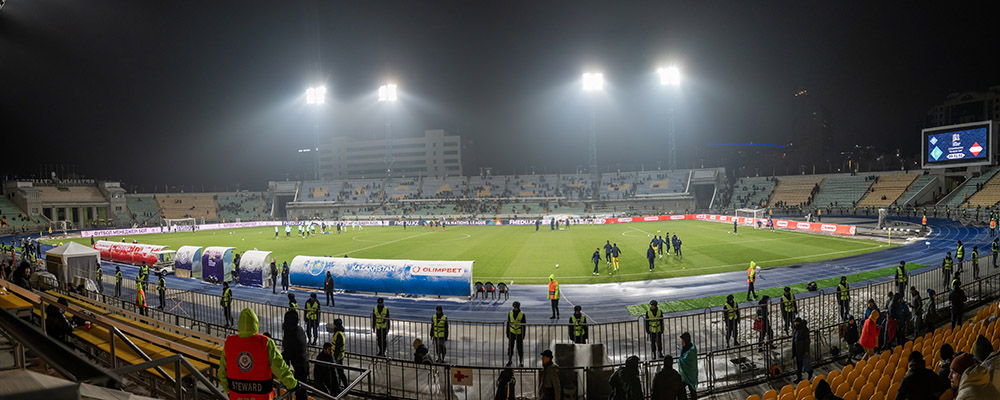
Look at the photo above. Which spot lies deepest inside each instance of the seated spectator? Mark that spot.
(56, 324)
(920, 382)
(947, 356)
(961, 363)
(823, 391)
(981, 380)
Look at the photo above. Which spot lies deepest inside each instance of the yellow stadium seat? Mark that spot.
(808, 397)
(753, 397)
(787, 396)
(770, 395)
(859, 383)
(847, 370)
(833, 374)
(883, 384)
(878, 396)
(803, 385)
(836, 381)
(787, 389)
(851, 395)
(891, 394)
(866, 391)
(860, 365)
(898, 376)
(842, 389)
(818, 378)
(947, 395)
(852, 377)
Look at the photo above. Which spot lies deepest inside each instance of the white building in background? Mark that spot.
(436, 153)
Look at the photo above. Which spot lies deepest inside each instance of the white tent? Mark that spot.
(72, 260)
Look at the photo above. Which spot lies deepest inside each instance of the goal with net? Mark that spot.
(180, 224)
(755, 213)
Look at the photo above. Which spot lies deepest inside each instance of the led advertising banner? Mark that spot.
(431, 278)
(958, 145)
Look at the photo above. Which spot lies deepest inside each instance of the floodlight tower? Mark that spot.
(670, 77)
(316, 96)
(593, 83)
(387, 94)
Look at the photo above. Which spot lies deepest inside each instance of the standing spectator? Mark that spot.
(549, 387)
(380, 325)
(323, 374)
(687, 365)
(274, 276)
(328, 289)
(920, 383)
(763, 315)
(654, 328)
(284, 276)
(869, 334)
(851, 336)
(420, 353)
(800, 349)
(515, 325)
(506, 384)
(957, 298)
(293, 349)
(917, 311)
(871, 307)
(788, 308)
(667, 384)
(732, 317)
(625, 383)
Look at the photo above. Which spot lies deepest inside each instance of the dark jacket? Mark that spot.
(328, 284)
(549, 387)
(293, 345)
(667, 385)
(823, 392)
(625, 383)
(800, 339)
(324, 375)
(851, 334)
(957, 298)
(56, 324)
(274, 272)
(921, 383)
(420, 355)
(506, 385)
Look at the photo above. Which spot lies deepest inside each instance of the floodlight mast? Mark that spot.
(670, 76)
(387, 94)
(316, 96)
(593, 82)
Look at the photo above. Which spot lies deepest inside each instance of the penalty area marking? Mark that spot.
(383, 244)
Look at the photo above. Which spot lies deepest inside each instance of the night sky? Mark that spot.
(212, 92)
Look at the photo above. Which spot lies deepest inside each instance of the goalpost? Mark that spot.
(59, 226)
(755, 213)
(180, 224)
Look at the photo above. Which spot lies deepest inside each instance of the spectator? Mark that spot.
(506, 385)
(961, 363)
(294, 349)
(800, 348)
(625, 383)
(549, 387)
(688, 365)
(420, 352)
(982, 349)
(871, 307)
(851, 337)
(980, 380)
(947, 356)
(667, 383)
(957, 298)
(823, 392)
(920, 382)
(324, 374)
(869, 334)
(930, 314)
(917, 310)
(56, 324)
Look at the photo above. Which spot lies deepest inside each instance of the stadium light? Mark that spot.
(669, 76)
(387, 92)
(593, 82)
(316, 95)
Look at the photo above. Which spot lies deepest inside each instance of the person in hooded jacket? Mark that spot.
(236, 345)
(851, 336)
(506, 385)
(625, 383)
(294, 349)
(56, 324)
(800, 349)
(920, 383)
(869, 335)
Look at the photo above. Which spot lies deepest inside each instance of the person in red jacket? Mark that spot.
(869, 334)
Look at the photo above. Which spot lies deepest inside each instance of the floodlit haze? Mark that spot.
(213, 92)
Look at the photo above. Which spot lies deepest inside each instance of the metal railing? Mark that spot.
(478, 345)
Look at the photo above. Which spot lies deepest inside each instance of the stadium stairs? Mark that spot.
(843, 190)
(889, 186)
(966, 190)
(879, 377)
(915, 189)
(752, 192)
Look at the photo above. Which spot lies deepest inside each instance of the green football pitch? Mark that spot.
(519, 254)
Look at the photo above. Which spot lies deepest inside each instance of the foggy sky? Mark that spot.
(212, 92)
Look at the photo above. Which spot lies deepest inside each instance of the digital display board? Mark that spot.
(958, 145)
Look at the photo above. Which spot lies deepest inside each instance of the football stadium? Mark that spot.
(342, 248)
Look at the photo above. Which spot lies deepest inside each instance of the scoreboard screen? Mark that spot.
(958, 145)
